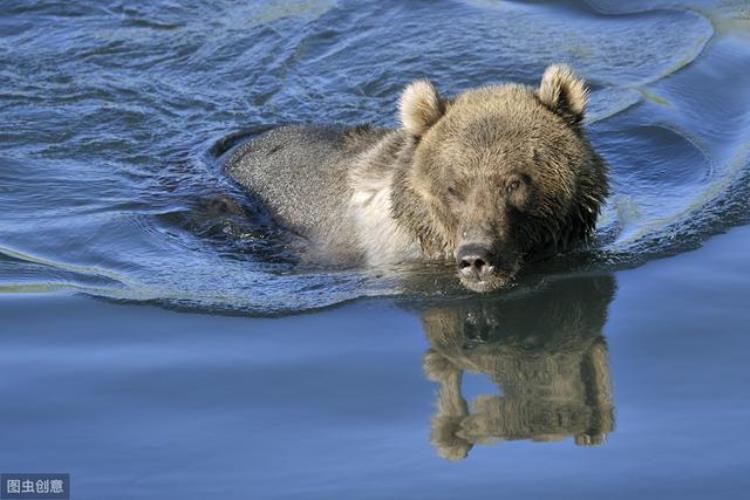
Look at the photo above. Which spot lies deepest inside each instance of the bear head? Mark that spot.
(504, 173)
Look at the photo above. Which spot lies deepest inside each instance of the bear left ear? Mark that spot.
(564, 93)
(420, 107)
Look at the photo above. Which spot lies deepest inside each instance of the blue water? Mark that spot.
(137, 350)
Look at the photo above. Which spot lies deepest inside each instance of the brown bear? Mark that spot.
(496, 177)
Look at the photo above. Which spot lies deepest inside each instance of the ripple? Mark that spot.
(116, 113)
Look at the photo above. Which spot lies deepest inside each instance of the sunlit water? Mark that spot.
(114, 113)
(629, 367)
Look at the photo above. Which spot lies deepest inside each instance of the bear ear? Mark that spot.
(420, 107)
(564, 93)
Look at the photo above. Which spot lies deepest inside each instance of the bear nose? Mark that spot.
(474, 260)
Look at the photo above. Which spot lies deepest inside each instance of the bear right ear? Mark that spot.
(420, 107)
(564, 93)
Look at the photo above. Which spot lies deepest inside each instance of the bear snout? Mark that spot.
(482, 269)
(475, 261)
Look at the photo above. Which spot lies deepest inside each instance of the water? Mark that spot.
(114, 119)
(112, 110)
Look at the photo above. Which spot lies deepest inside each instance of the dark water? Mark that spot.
(627, 360)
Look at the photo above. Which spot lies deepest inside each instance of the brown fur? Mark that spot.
(455, 178)
(506, 167)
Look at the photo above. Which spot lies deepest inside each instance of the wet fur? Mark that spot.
(373, 196)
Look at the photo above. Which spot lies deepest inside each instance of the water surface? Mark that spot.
(110, 179)
(136, 282)
(138, 402)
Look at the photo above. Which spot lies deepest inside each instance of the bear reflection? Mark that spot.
(545, 352)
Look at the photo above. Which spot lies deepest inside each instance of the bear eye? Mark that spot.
(512, 186)
(452, 191)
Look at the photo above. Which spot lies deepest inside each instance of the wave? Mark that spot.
(109, 184)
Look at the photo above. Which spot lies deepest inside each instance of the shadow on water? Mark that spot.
(545, 352)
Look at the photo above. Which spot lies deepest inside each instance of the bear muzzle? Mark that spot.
(483, 269)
